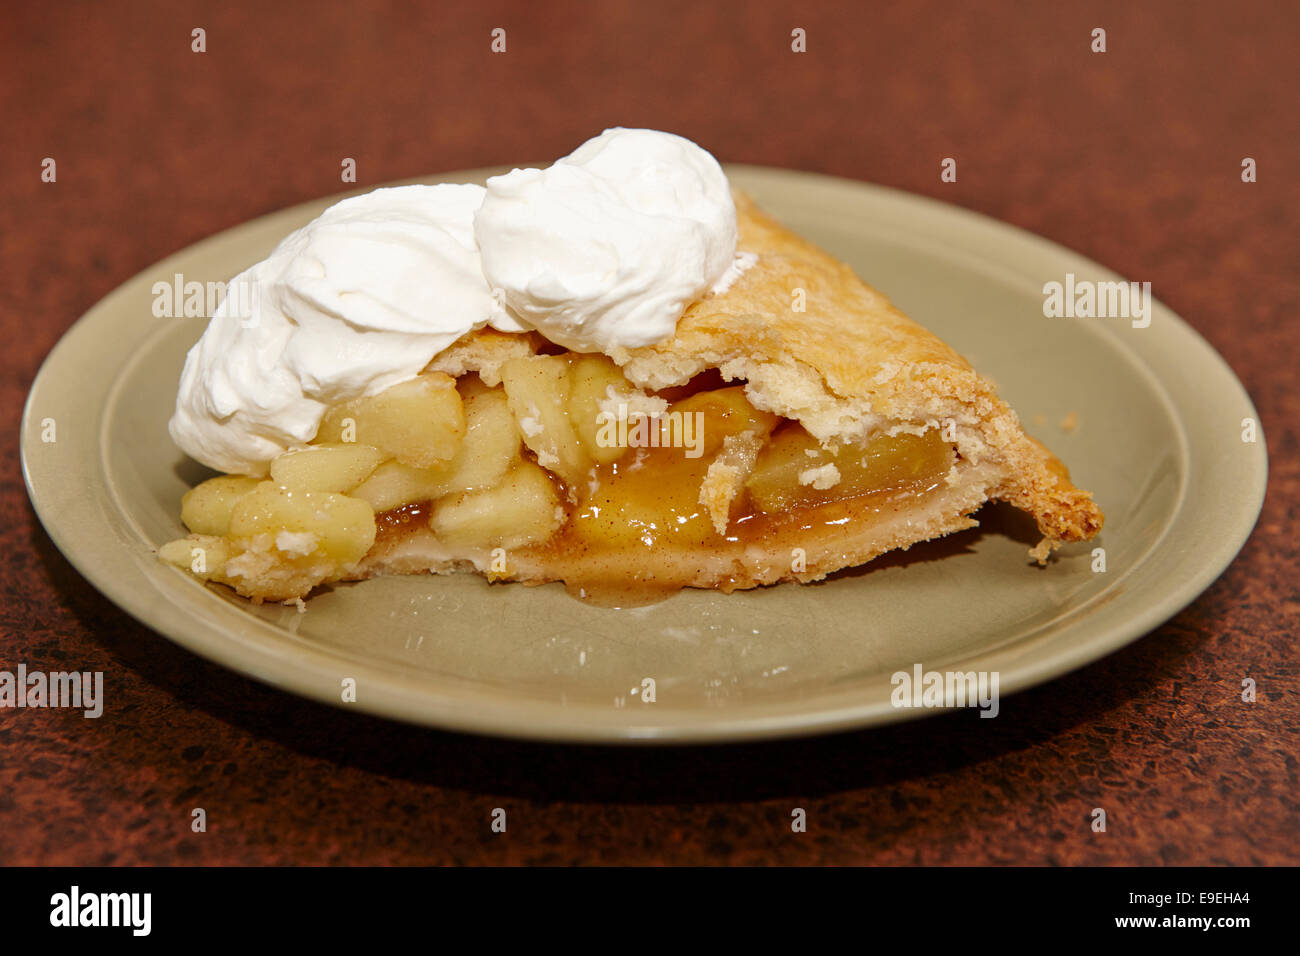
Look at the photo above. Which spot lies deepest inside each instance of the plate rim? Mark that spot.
(410, 701)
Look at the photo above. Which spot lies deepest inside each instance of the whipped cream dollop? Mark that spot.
(358, 300)
(606, 247)
(603, 249)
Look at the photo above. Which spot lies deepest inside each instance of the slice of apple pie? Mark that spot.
(755, 443)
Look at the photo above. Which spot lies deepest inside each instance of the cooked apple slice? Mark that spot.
(650, 503)
(490, 447)
(726, 412)
(420, 422)
(523, 509)
(206, 508)
(537, 389)
(794, 469)
(393, 485)
(592, 377)
(302, 523)
(333, 466)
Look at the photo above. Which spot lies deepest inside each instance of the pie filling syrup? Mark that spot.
(623, 516)
(643, 531)
(634, 531)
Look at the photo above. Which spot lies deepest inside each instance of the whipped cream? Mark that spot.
(603, 249)
(358, 300)
(607, 247)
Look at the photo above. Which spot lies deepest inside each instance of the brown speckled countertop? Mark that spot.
(1132, 157)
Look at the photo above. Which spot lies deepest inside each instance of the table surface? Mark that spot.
(1132, 157)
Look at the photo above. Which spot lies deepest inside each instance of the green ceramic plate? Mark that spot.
(1158, 439)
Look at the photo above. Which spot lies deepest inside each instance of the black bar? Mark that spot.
(946, 907)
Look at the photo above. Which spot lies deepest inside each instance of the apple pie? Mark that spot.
(793, 425)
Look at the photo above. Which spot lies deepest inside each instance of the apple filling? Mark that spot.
(564, 465)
